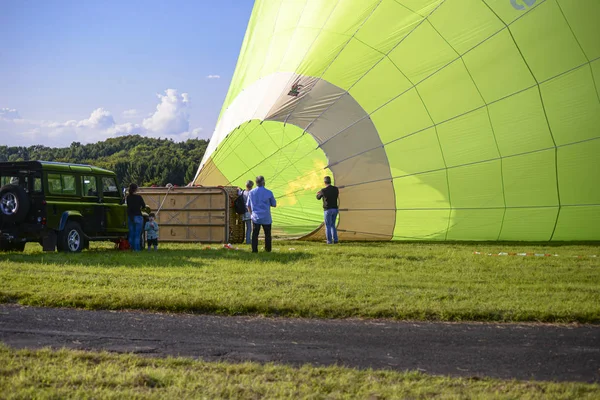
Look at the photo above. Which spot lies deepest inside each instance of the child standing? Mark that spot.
(152, 232)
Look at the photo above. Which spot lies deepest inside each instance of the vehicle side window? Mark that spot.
(68, 182)
(20, 180)
(9, 180)
(61, 184)
(88, 183)
(54, 184)
(37, 184)
(109, 187)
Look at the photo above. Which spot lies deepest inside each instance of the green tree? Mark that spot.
(146, 161)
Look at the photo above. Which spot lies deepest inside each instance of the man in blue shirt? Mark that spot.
(260, 201)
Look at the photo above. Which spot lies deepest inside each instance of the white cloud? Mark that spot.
(171, 116)
(133, 113)
(171, 120)
(182, 137)
(213, 76)
(26, 132)
(56, 125)
(99, 119)
(127, 129)
(9, 114)
(32, 133)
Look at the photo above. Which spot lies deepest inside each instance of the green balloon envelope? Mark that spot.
(438, 120)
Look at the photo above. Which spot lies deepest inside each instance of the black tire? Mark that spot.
(71, 239)
(14, 204)
(6, 246)
(59, 245)
(20, 247)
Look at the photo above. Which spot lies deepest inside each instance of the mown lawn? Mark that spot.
(76, 374)
(421, 281)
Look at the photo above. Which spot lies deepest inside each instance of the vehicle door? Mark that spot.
(114, 210)
(62, 195)
(93, 210)
(37, 197)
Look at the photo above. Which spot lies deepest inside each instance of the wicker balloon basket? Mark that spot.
(236, 225)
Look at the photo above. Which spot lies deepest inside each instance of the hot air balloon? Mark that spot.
(437, 119)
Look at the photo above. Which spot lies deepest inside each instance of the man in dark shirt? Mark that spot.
(330, 194)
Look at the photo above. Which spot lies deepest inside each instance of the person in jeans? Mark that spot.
(247, 218)
(330, 195)
(135, 203)
(260, 201)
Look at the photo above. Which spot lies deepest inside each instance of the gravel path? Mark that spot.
(521, 351)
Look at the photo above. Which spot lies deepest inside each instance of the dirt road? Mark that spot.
(521, 351)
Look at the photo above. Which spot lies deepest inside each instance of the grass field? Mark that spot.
(417, 281)
(75, 374)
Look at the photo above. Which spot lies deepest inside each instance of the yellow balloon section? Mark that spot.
(291, 162)
(438, 119)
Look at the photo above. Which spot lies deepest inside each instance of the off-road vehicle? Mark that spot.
(61, 206)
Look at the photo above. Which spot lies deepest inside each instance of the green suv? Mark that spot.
(61, 206)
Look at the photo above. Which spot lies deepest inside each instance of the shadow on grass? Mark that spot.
(465, 244)
(161, 258)
(392, 256)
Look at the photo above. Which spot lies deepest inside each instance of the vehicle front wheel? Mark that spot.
(71, 239)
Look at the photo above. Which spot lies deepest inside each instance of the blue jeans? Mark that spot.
(135, 232)
(248, 231)
(330, 229)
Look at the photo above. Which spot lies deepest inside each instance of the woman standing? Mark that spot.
(135, 203)
(247, 217)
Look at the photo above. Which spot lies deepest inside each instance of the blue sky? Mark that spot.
(87, 70)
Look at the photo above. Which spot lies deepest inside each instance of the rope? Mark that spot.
(169, 187)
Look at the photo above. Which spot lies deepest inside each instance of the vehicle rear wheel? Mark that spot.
(19, 247)
(14, 204)
(7, 246)
(71, 239)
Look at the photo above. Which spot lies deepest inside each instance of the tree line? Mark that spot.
(145, 161)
